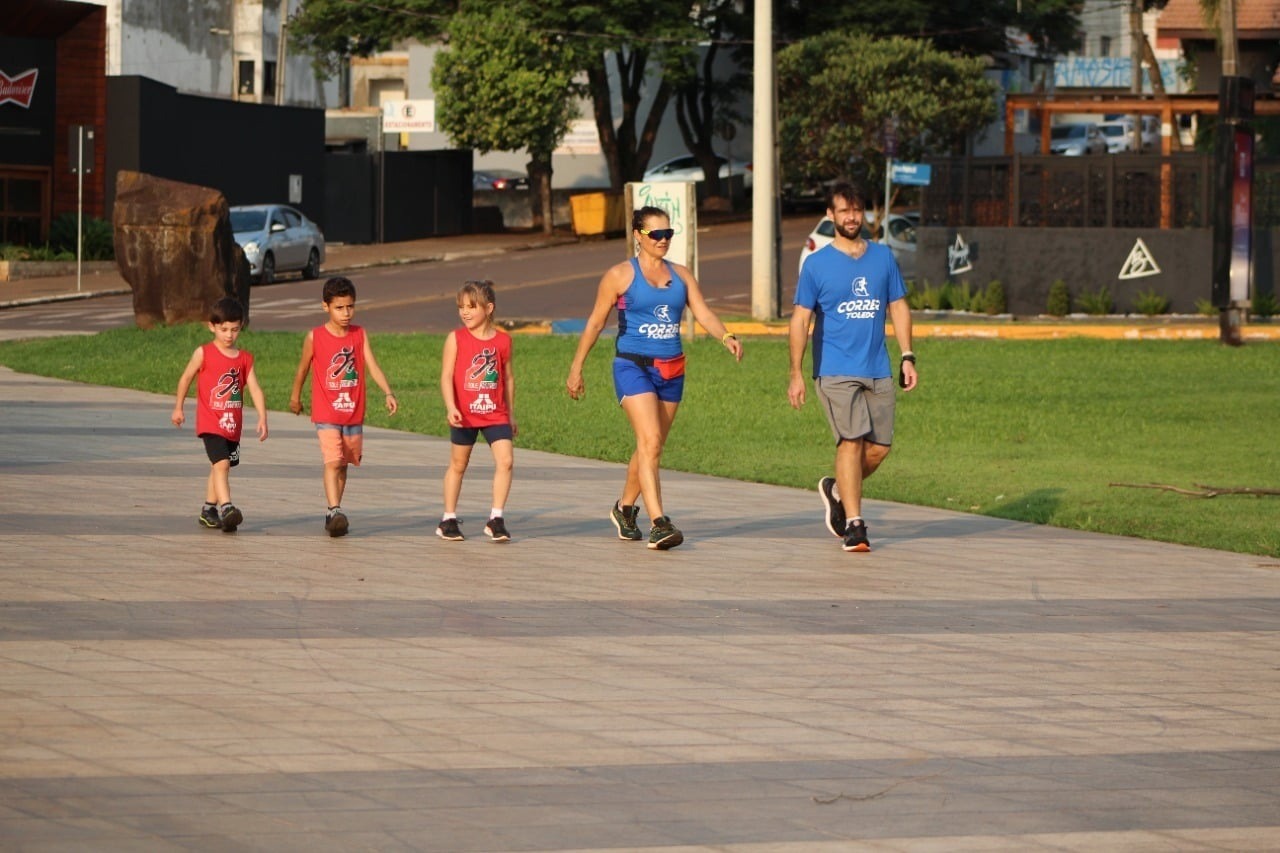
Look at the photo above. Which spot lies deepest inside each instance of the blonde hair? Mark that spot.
(479, 291)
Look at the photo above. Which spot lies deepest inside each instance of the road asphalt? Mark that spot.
(970, 684)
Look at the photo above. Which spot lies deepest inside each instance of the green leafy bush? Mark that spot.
(99, 242)
(993, 298)
(1265, 305)
(1149, 303)
(1206, 308)
(10, 252)
(915, 295)
(1059, 302)
(1097, 302)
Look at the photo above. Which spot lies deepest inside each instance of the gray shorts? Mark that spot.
(858, 407)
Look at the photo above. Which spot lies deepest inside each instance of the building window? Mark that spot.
(268, 79)
(246, 76)
(1104, 45)
(22, 208)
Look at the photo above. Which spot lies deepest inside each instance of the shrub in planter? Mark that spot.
(1059, 302)
(993, 298)
(1096, 303)
(1149, 303)
(98, 241)
(1265, 305)
(1206, 308)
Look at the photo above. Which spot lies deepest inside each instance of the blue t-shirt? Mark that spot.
(649, 317)
(849, 299)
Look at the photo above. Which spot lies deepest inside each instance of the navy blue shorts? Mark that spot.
(630, 379)
(466, 436)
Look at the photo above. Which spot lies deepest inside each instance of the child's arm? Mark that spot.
(447, 361)
(259, 402)
(184, 385)
(375, 372)
(295, 394)
(510, 381)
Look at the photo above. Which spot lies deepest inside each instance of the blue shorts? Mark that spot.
(630, 379)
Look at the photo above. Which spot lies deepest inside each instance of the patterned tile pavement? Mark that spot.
(972, 684)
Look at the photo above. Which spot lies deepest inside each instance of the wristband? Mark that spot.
(909, 356)
(728, 335)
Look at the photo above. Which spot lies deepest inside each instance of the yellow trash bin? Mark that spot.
(597, 213)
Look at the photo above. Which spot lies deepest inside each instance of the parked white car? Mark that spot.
(687, 169)
(276, 238)
(901, 239)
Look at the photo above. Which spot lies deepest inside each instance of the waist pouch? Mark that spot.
(668, 368)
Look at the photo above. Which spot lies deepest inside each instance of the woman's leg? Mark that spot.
(651, 421)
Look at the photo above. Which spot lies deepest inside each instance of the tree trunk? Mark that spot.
(540, 179)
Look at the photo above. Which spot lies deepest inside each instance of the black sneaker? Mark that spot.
(497, 531)
(337, 524)
(663, 535)
(625, 521)
(835, 509)
(449, 530)
(231, 518)
(855, 537)
(209, 518)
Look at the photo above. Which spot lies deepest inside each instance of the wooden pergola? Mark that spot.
(1166, 107)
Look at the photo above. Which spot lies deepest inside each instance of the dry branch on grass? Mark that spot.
(1201, 490)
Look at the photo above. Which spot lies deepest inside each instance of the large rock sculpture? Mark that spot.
(174, 246)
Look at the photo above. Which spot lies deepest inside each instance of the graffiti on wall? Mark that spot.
(1111, 72)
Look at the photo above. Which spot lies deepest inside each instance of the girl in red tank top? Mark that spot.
(478, 386)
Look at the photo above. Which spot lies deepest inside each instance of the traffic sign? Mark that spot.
(911, 174)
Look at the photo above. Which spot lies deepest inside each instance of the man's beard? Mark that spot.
(847, 234)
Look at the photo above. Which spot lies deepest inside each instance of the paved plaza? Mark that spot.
(972, 684)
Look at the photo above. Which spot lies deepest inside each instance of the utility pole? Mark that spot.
(1136, 55)
(764, 187)
(281, 40)
(1233, 184)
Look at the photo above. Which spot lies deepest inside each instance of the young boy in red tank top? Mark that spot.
(222, 372)
(479, 389)
(339, 357)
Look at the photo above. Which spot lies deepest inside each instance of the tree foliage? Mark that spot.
(837, 92)
(968, 27)
(501, 86)
(333, 30)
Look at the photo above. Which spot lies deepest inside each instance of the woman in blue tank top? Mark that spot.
(650, 294)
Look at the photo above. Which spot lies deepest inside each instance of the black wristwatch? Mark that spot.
(909, 356)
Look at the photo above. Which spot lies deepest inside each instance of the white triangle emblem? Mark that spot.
(958, 257)
(1140, 263)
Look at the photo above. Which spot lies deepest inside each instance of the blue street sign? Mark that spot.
(911, 174)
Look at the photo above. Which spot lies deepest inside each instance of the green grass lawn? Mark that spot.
(1029, 430)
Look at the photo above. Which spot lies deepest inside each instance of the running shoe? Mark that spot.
(835, 509)
(231, 518)
(497, 531)
(855, 537)
(449, 530)
(209, 518)
(337, 524)
(663, 535)
(625, 521)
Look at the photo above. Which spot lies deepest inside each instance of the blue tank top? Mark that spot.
(649, 317)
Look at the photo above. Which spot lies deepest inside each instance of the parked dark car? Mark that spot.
(499, 179)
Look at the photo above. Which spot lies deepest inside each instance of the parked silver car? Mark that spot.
(1076, 138)
(276, 238)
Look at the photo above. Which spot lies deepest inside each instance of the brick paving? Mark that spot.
(972, 684)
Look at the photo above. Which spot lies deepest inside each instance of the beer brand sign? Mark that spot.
(19, 88)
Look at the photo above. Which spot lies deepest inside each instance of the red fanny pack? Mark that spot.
(670, 368)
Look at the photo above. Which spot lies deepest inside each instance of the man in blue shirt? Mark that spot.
(846, 289)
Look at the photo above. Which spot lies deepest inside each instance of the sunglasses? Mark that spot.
(658, 233)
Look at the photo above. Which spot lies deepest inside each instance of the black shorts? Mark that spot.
(466, 436)
(219, 448)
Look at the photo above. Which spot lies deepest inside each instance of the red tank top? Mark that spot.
(480, 378)
(220, 392)
(337, 376)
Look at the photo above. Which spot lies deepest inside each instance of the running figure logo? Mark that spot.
(483, 370)
(226, 391)
(342, 369)
(663, 313)
(860, 287)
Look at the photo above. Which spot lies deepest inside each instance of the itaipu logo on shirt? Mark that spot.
(862, 306)
(664, 329)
